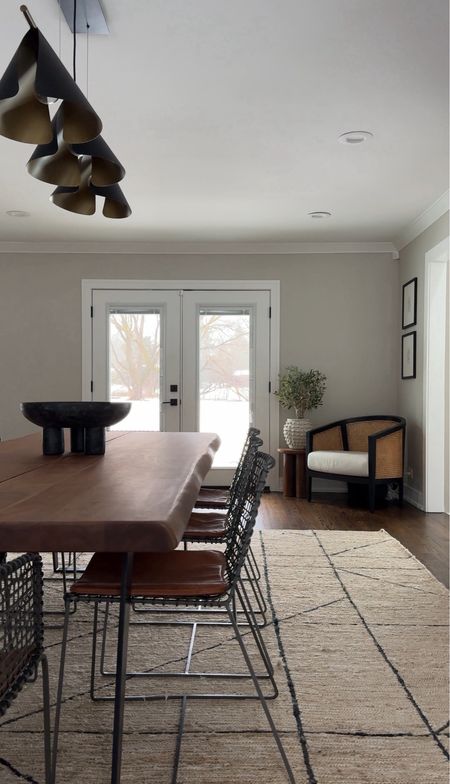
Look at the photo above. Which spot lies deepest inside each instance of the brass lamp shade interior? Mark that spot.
(82, 200)
(59, 163)
(34, 76)
(106, 168)
(116, 205)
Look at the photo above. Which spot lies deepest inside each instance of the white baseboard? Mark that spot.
(414, 497)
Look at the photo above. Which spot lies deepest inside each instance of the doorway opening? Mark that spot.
(436, 379)
(189, 355)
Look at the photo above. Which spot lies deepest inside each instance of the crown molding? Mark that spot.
(422, 222)
(198, 248)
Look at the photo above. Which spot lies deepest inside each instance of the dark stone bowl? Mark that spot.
(80, 414)
(86, 419)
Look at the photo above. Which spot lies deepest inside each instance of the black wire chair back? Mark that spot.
(21, 626)
(251, 439)
(241, 477)
(242, 515)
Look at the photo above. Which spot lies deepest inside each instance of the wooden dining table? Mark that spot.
(137, 497)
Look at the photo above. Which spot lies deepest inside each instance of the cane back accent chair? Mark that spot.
(21, 636)
(368, 450)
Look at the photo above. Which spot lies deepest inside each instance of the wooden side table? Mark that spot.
(294, 472)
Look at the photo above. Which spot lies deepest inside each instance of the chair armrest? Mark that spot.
(327, 437)
(386, 453)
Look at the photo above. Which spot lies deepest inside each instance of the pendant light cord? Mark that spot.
(59, 29)
(74, 40)
(87, 59)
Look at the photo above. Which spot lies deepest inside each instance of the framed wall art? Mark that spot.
(409, 303)
(409, 355)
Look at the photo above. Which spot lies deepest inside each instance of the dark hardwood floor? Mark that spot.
(424, 535)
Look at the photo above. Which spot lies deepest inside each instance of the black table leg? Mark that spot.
(121, 666)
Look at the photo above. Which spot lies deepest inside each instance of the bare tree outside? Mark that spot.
(224, 373)
(224, 356)
(135, 355)
(225, 380)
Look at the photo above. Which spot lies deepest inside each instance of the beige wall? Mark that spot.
(412, 264)
(339, 313)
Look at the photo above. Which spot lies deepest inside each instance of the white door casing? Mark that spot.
(99, 296)
(435, 380)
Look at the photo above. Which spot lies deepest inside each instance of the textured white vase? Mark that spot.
(295, 432)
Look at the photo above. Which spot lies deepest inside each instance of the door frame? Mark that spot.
(272, 286)
(435, 384)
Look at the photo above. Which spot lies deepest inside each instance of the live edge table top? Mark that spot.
(136, 497)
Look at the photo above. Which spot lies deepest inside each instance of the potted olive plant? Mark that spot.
(301, 390)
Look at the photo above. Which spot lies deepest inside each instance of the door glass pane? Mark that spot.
(135, 366)
(224, 379)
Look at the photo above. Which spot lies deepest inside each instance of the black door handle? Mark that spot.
(172, 402)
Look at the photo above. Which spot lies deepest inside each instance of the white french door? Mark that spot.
(135, 353)
(189, 360)
(226, 369)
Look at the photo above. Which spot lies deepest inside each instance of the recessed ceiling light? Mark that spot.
(18, 214)
(319, 214)
(355, 137)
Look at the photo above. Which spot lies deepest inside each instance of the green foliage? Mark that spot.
(301, 390)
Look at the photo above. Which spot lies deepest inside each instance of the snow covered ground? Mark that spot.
(228, 418)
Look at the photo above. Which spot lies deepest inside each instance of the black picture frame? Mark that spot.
(409, 355)
(409, 303)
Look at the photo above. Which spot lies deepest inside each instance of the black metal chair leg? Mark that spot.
(372, 495)
(259, 640)
(261, 695)
(177, 755)
(94, 651)
(60, 688)
(121, 666)
(257, 593)
(104, 633)
(47, 730)
(251, 557)
(309, 488)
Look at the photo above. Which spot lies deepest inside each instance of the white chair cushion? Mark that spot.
(347, 463)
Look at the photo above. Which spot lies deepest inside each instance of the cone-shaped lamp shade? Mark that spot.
(54, 162)
(106, 168)
(35, 75)
(116, 205)
(58, 163)
(80, 200)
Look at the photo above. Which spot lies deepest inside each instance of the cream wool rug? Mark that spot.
(358, 632)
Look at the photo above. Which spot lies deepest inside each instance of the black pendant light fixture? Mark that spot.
(59, 162)
(35, 77)
(82, 199)
(70, 153)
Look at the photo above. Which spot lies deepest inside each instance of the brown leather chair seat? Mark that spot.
(206, 525)
(157, 575)
(213, 498)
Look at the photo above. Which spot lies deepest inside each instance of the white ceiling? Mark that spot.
(226, 113)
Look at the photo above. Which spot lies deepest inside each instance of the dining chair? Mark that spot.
(189, 579)
(213, 527)
(200, 616)
(22, 637)
(219, 498)
(216, 527)
(202, 523)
